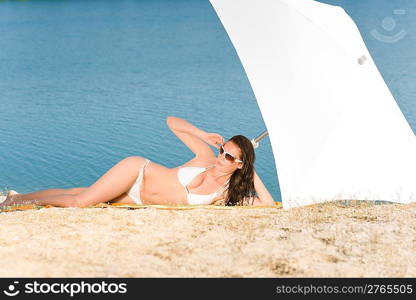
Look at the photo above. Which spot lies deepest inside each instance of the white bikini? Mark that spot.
(186, 175)
(134, 191)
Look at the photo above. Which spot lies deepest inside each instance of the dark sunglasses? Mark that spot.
(228, 156)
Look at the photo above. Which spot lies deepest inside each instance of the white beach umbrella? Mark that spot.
(335, 129)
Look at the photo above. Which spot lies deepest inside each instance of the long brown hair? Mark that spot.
(241, 186)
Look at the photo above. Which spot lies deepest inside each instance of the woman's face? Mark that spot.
(225, 164)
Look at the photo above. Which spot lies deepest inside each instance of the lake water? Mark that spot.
(85, 83)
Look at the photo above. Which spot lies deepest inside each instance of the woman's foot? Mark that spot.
(9, 198)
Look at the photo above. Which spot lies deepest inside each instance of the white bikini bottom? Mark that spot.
(134, 191)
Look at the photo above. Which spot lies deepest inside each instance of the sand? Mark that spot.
(325, 240)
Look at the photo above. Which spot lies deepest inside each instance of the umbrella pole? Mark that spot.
(256, 140)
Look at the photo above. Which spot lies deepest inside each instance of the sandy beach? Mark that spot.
(324, 240)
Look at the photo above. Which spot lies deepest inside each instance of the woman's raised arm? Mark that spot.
(194, 138)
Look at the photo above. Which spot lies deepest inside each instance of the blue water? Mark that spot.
(86, 83)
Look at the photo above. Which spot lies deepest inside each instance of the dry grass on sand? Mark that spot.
(326, 240)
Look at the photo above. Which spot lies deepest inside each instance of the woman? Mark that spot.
(229, 177)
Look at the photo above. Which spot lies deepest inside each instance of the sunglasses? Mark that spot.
(228, 156)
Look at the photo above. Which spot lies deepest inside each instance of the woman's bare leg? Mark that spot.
(46, 193)
(122, 199)
(111, 185)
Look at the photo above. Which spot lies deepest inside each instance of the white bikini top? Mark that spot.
(186, 175)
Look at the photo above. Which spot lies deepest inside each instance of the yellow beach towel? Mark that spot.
(135, 206)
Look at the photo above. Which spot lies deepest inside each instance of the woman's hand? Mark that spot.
(214, 139)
